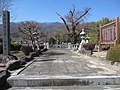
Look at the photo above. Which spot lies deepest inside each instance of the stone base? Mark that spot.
(32, 81)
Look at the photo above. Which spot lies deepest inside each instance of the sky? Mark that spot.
(45, 10)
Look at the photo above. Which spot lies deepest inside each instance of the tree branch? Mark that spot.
(85, 12)
(63, 21)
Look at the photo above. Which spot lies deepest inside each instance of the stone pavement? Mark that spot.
(64, 62)
(61, 67)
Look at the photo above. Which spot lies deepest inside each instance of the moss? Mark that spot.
(113, 54)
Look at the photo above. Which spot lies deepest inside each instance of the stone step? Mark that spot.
(97, 87)
(31, 81)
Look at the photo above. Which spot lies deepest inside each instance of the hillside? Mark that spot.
(44, 27)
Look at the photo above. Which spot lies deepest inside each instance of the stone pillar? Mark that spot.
(47, 45)
(69, 45)
(6, 33)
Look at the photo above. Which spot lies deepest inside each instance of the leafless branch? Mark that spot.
(84, 13)
(66, 25)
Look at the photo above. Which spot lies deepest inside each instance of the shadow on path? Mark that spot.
(45, 60)
(55, 53)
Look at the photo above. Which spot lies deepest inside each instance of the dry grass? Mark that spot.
(100, 54)
(19, 54)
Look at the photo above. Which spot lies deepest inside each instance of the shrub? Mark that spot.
(26, 49)
(51, 40)
(1, 49)
(114, 54)
(89, 46)
(41, 46)
(15, 47)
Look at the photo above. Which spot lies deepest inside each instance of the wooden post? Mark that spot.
(117, 32)
(100, 46)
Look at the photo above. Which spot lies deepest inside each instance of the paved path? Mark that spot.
(64, 62)
(63, 67)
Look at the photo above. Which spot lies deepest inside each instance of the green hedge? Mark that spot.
(113, 54)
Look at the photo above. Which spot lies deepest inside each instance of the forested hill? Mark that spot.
(52, 26)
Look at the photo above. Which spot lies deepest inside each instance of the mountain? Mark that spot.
(50, 27)
(45, 27)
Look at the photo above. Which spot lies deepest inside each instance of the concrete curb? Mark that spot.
(21, 69)
(31, 81)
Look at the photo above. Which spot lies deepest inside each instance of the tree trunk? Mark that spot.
(73, 37)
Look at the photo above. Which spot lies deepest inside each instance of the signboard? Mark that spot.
(109, 33)
(6, 32)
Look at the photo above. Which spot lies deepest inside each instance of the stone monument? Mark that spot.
(6, 33)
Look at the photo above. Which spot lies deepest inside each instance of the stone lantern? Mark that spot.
(85, 39)
(35, 41)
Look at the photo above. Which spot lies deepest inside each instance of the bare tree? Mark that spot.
(72, 20)
(5, 5)
(27, 30)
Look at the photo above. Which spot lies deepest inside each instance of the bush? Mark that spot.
(12, 48)
(89, 46)
(41, 46)
(114, 54)
(15, 47)
(26, 49)
(51, 40)
(1, 49)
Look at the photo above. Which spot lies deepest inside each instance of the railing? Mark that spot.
(65, 45)
(73, 46)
